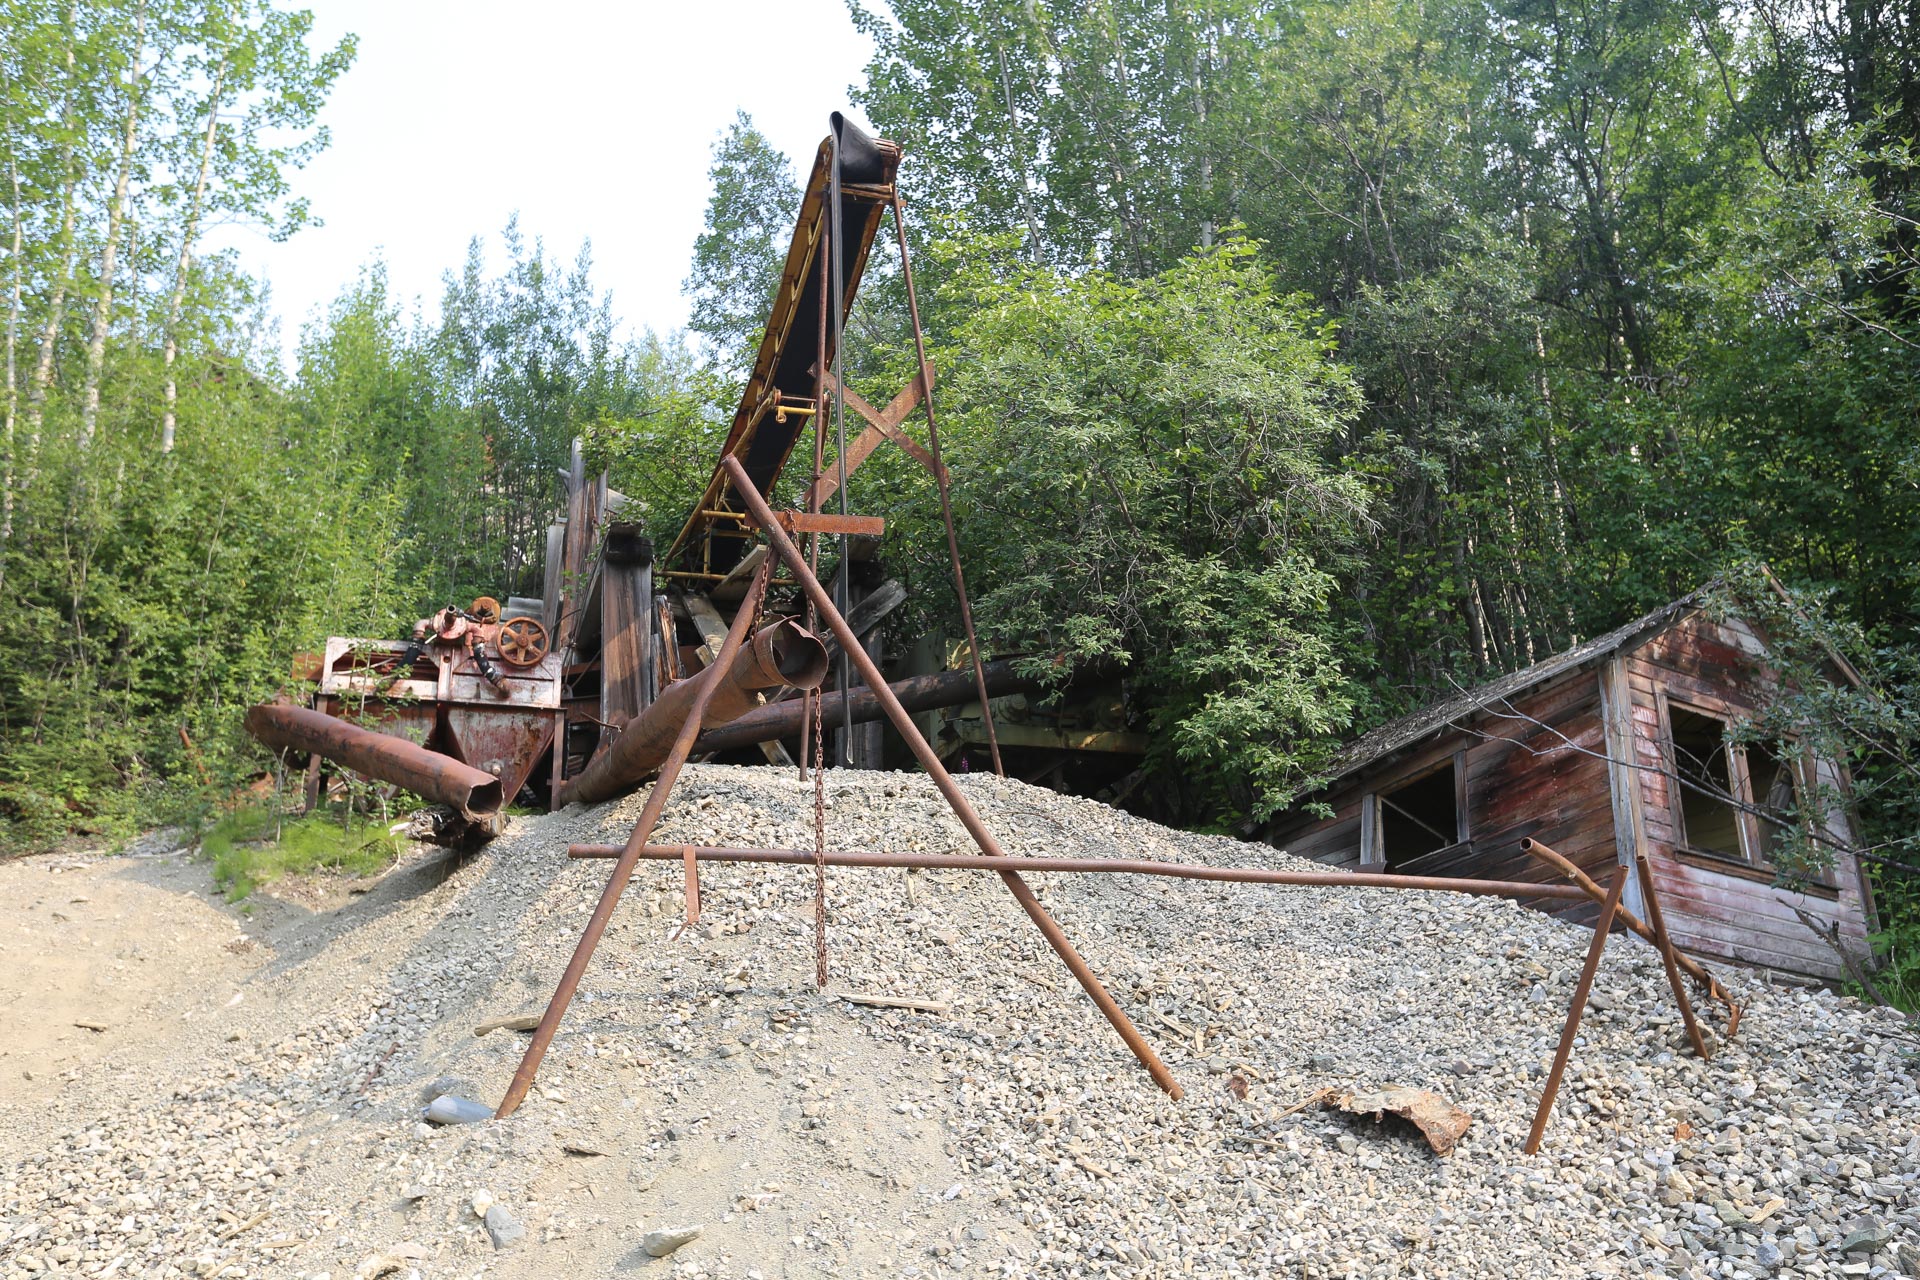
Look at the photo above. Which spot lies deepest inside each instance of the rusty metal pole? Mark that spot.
(850, 645)
(1664, 943)
(1691, 967)
(946, 501)
(1581, 989)
(1120, 866)
(630, 858)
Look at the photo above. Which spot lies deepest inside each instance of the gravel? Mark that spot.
(704, 1080)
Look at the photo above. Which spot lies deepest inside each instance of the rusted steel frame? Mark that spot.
(1657, 919)
(782, 652)
(475, 794)
(882, 425)
(810, 701)
(819, 522)
(1693, 968)
(904, 725)
(1119, 866)
(785, 718)
(946, 500)
(1581, 989)
(630, 857)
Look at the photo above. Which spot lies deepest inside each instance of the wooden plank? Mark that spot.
(739, 578)
(624, 622)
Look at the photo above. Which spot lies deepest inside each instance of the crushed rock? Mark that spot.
(704, 1080)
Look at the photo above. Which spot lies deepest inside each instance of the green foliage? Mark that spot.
(1141, 475)
(738, 257)
(251, 848)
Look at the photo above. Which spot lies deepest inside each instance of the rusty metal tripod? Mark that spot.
(631, 854)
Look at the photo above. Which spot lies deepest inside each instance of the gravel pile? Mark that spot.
(703, 1083)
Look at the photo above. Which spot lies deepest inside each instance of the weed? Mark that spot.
(247, 856)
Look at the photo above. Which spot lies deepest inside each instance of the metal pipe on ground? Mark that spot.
(919, 693)
(780, 653)
(1124, 866)
(474, 794)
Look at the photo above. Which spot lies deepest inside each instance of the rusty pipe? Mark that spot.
(1124, 866)
(428, 774)
(1693, 968)
(850, 645)
(784, 719)
(780, 653)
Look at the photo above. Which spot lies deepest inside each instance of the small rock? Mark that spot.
(482, 1201)
(658, 1244)
(1868, 1235)
(503, 1228)
(1321, 1062)
(1768, 1255)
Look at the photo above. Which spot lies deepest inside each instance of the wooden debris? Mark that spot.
(519, 1022)
(897, 1002)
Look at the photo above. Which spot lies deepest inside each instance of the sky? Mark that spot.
(592, 121)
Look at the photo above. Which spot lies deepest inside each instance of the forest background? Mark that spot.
(1314, 358)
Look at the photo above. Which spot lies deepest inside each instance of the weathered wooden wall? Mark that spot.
(1533, 767)
(1721, 908)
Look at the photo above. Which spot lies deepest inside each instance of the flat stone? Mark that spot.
(503, 1228)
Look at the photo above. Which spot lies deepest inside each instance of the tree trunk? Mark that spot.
(13, 344)
(186, 257)
(63, 283)
(116, 220)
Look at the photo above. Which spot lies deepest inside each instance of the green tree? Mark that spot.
(738, 257)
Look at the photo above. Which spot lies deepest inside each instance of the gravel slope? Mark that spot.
(705, 1082)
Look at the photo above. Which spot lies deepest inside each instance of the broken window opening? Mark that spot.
(1709, 816)
(1420, 817)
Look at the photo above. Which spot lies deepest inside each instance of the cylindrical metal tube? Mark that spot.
(780, 653)
(428, 774)
(779, 720)
(1122, 866)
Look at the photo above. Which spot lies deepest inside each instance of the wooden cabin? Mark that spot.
(1614, 746)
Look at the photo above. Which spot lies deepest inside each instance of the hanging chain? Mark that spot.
(819, 840)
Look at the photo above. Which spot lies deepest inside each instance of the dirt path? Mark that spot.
(103, 961)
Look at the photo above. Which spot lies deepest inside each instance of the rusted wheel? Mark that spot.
(486, 609)
(522, 642)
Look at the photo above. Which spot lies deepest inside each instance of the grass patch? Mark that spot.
(246, 857)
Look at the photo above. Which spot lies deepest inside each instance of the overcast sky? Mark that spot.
(593, 121)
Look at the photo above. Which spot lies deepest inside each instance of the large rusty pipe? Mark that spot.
(779, 720)
(903, 723)
(428, 774)
(780, 653)
(1123, 866)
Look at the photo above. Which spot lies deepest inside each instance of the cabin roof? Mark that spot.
(1395, 735)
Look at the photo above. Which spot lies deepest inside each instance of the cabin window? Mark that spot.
(1421, 816)
(1703, 761)
(1736, 801)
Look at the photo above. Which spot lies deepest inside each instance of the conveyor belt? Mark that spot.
(784, 372)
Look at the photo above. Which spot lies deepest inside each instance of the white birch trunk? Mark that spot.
(186, 258)
(116, 219)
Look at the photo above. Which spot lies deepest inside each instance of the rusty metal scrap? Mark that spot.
(428, 774)
(1440, 1122)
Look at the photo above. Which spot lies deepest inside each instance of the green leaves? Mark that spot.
(1140, 470)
